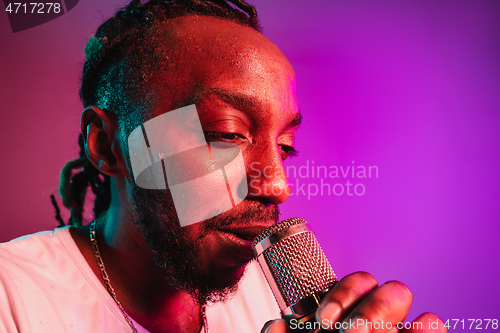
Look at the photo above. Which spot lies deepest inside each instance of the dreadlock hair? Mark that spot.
(119, 61)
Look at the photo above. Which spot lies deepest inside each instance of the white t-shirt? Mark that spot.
(46, 285)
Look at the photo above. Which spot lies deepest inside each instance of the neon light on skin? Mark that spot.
(170, 152)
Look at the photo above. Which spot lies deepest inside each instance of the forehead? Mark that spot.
(205, 53)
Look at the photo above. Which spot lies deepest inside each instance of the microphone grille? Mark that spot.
(276, 228)
(296, 262)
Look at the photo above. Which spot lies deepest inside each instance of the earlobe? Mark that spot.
(100, 130)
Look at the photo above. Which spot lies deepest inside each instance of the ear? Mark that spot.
(101, 141)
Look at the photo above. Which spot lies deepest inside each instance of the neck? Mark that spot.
(140, 286)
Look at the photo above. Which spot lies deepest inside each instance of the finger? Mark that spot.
(266, 325)
(344, 297)
(426, 322)
(382, 310)
(277, 326)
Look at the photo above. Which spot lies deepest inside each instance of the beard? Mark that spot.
(179, 257)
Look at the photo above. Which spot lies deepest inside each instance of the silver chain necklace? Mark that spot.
(105, 276)
(111, 291)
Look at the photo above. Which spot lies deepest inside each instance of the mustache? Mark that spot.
(254, 211)
(158, 203)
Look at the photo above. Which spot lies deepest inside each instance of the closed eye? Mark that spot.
(287, 151)
(225, 137)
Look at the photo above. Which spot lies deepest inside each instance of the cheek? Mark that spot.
(207, 182)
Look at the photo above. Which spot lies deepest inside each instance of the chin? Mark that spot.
(221, 284)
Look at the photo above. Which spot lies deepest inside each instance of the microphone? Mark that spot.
(295, 267)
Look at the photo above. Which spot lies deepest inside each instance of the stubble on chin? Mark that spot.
(178, 254)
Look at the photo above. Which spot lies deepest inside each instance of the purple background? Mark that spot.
(410, 87)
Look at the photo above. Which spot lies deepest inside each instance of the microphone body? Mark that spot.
(295, 267)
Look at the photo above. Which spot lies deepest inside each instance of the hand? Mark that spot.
(358, 304)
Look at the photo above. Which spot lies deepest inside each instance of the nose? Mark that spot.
(267, 177)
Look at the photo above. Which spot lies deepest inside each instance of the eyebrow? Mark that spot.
(243, 102)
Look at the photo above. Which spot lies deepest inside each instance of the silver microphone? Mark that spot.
(295, 267)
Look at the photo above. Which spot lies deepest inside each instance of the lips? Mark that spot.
(246, 234)
(236, 243)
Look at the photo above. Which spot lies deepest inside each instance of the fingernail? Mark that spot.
(330, 312)
(271, 328)
(276, 326)
(266, 326)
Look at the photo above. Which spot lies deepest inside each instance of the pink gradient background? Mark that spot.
(412, 87)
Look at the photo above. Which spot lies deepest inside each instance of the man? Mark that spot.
(142, 269)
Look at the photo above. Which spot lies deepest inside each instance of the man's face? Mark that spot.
(244, 91)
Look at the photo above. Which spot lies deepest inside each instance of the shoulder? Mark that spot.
(46, 286)
(33, 250)
(28, 265)
(38, 257)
